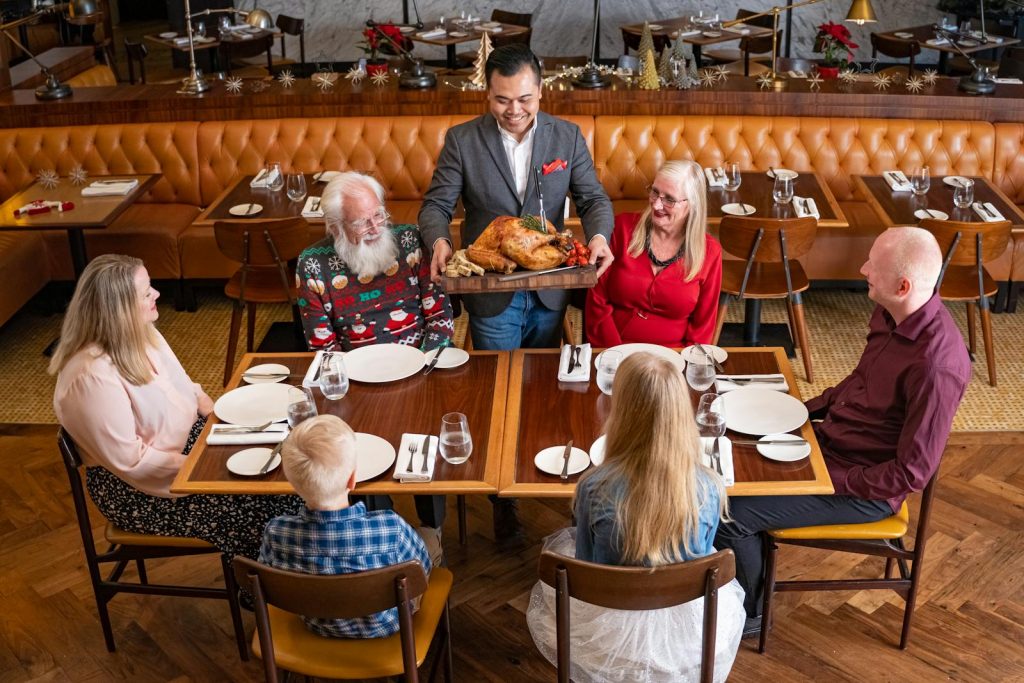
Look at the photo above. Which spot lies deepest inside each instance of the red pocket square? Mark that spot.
(556, 165)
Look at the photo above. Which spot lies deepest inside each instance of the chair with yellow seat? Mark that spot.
(126, 547)
(883, 538)
(282, 639)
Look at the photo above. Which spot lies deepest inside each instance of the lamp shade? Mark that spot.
(260, 18)
(861, 12)
(82, 8)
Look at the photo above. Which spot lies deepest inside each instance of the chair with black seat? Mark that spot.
(282, 639)
(897, 48)
(127, 547)
(234, 53)
(768, 269)
(263, 248)
(966, 247)
(292, 26)
(883, 538)
(137, 53)
(636, 588)
(1011, 64)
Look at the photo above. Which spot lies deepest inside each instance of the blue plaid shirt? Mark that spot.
(342, 542)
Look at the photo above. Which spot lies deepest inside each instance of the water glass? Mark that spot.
(700, 373)
(275, 177)
(199, 30)
(963, 193)
(733, 177)
(456, 442)
(782, 192)
(920, 181)
(224, 24)
(711, 416)
(333, 377)
(607, 366)
(296, 186)
(301, 406)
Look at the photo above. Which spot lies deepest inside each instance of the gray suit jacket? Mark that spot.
(473, 165)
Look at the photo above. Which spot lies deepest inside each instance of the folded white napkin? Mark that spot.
(686, 34)
(897, 181)
(402, 472)
(436, 33)
(798, 206)
(715, 175)
(742, 29)
(797, 73)
(935, 42)
(724, 455)
(987, 212)
(106, 188)
(264, 179)
(1008, 81)
(222, 435)
(243, 35)
(581, 373)
(313, 372)
(308, 211)
(181, 40)
(239, 27)
(724, 383)
(490, 29)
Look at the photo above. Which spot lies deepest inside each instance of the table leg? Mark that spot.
(752, 322)
(943, 59)
(76, 241)
(696, 55)
(451, 56)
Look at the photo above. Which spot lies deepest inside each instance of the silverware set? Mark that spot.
(770, 442)
(265, 375)
(985, 211)
(710, 357)
(574, 358)
(244, 430)
(433, 362)
(425, 449)
(754, 380)
(716, 456)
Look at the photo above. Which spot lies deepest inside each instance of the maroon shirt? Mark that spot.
(885, 426)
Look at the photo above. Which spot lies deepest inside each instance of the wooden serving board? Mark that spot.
(582, 277)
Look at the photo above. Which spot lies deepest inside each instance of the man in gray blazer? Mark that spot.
(494, 163)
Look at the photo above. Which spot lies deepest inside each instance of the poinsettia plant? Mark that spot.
(833, 41)
(375, 43)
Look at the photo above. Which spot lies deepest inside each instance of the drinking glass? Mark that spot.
(711, 416)
(301, 406)
(333, 376)
(733, 177)
(275, 178)
(963, 193)
(199, 30)
(456, 441)
(224, 24)
(607, 366)
(920, 182)
(700, 373)
(296, 186)
(782, 192)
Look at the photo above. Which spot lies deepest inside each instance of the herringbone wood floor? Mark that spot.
(969, 624)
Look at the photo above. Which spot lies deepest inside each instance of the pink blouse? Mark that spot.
(136, 432)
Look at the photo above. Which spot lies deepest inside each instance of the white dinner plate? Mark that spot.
(280, 372)
(712, 34)
(739, 209)
(655, 27)
(374, 456)
(253, 405)
(597, 450)
(550, 460)
(932, 213)
(663, 351)
(458, 34)
(384, 362)
(784, 453)
(325, 176)
(757, 411)
(249, 462)
(692, 353)
(406, 29)
(954, 180)
(491, 24)
(783, 173)
(451, 357)
(167, 35)
(245, 209)
(903, 34)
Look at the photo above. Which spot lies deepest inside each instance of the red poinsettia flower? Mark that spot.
(374, 42)
(833, 40)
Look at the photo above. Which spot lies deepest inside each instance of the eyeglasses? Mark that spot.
(666, 201)
(381, 217)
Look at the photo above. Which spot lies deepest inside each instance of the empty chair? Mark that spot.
(749, 46)
(293, 27)
(895, 47)
(232, 51)
(137, 53)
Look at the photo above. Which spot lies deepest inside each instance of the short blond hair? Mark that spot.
(319, 457)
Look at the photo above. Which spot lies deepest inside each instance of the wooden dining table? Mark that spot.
(922, 34)
(275, 203)
(897, 208)
(456, 35)
(756, 190)
(670, 28)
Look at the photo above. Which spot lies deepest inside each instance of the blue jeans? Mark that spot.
(525, 324)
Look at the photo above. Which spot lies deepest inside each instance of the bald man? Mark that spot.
(883, 429)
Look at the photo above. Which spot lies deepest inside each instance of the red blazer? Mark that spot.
(631, 304)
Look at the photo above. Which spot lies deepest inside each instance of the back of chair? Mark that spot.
(968, 244)
(764, 22)
(767, 240)
(262, 243)
(293, 27)
(758, 44)
(1011, 64)
(242, 49)
(894, 47)
(72, 462)
(631, 41)
(137, 53)
(517, 19)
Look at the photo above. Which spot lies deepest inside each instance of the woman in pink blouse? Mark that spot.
(125, 399)
(664, 284)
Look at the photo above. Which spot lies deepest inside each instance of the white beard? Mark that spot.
(368, 259)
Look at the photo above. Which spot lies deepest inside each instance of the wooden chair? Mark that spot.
(769, 248)
(742, 57)
(499, 39)
(883, 538)
(236, 51)
(137, 53)
(895, 47)
(966, 247)
(126, 547)
(292, 27)
(282, 639)
(263, 248)
(636, 588)
(631, 41)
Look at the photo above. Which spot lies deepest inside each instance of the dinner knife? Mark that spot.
(711, 357)
(716, 457)
(572, 360)
(771, 442)
(531, 273)
(270, 460)
(426, 453)
(433, 361)
(565, 460)
(753, 380)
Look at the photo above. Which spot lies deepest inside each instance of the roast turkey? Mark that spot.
(510, 241)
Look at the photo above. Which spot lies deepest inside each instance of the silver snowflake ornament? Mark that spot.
(708, 78)
(765, 81)
(882, 81)
(815, 80)
(380, 78)
(48, 178)
(915, 84)
(233, 85)
(324, 80)
(930, 76)
(355, 74)
(78, 175)
(286, 78)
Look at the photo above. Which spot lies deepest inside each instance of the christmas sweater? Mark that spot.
(342, 310)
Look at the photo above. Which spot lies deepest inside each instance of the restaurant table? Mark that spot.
(922, 34)
(211, 42)
(275, 203)
(544, 412)
(90, 213)
(448, 41)
(897, 208)
(413, 405)
(669, 28)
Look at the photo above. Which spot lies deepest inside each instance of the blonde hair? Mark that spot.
(318, 457)
(104, 311)
(653, 446)
(688, 177)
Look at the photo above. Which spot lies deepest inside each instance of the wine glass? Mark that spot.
(607, 365)
(700, 372)
(199, 30)
(224, 24)
(456, 442)
(275, 178)
(301, 406)
(963, 193)
(333, 377)
(733, 177)
(782, 192)
(920, 181)
(296, 186)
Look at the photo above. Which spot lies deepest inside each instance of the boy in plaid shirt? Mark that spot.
(329, 536)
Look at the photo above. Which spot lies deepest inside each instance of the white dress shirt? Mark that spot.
(519, 154)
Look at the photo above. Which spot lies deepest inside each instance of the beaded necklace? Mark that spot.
(658, 262)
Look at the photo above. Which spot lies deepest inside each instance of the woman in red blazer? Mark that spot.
(663, 285)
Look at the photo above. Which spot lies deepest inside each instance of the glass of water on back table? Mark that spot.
(456, 441)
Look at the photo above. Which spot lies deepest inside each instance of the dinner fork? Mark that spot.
(245, 430)
(412, 456)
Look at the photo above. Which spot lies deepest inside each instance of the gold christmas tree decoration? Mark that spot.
(48, 178)
(882, 81)
(649, 73)
(233, 85)
(286, 78)
(764, 81)
(646, 41)
(78, 175)
(478, 81)
(815, 80)
(379, 78)
(915, 84)
(930, 76)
